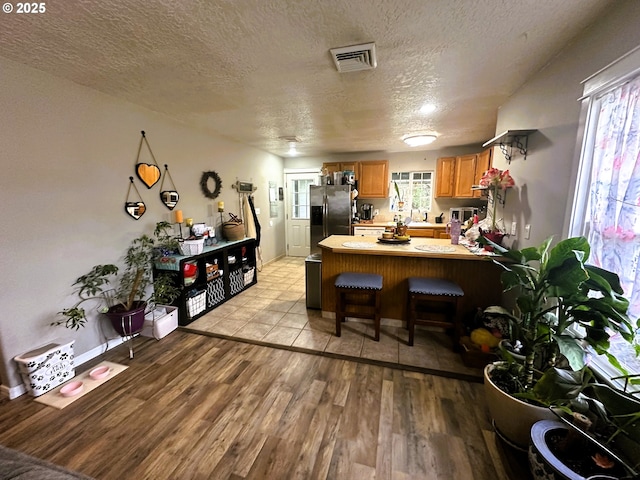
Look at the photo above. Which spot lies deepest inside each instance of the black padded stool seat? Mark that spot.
(358, 290)
(434, 302)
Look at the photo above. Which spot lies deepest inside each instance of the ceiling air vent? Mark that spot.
(355, 57)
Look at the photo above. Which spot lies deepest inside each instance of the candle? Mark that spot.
(178, 216)
(221, 206)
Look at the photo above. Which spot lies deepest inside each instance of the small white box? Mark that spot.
(160, 322)
(47, 366)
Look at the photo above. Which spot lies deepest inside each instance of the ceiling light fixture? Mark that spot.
(419, 140)
(428, 108)
(292, 149)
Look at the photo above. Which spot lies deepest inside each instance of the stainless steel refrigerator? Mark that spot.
(331, 212)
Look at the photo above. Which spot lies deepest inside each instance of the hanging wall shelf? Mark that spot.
(509, 139)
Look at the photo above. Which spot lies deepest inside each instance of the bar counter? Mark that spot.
(477, 275)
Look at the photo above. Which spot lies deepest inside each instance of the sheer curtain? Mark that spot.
(614, 201)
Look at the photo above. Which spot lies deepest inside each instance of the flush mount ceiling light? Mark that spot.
(419, 140)
(292, 149)
(428, 108)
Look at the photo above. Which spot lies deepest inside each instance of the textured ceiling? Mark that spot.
(257, 70)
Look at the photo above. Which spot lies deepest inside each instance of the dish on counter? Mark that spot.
(395, 240)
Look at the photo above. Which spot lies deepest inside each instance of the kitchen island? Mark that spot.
(477, 275)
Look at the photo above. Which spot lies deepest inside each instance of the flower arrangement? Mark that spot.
(495, 179)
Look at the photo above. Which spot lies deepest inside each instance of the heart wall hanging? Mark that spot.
(148, 173)
(169, 197)
(134, 208)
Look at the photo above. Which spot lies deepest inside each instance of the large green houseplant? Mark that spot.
(562, 304)
(122, 293)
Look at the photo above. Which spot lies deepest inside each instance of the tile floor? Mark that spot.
(273, 312)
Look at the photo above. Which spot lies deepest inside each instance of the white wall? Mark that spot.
(548, 103)
(67, 154)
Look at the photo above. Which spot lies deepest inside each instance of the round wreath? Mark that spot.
(204, 184)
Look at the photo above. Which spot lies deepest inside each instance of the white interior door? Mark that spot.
(298, 208)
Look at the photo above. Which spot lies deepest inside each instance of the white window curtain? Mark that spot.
(614, 201)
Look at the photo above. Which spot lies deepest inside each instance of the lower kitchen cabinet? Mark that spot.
(210, 278)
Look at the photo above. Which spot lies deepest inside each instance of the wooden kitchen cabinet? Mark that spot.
(341, 167)
(456, 175)
(374, 179)
(484, 164)
(445, 174)
(465, 175)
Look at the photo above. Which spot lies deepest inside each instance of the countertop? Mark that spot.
(435, 248)
(393, 224)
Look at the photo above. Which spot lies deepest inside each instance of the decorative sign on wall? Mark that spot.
(210, 184)
(148, 173)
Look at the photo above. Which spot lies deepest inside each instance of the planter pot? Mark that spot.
(506, 345)
(495, 237)
(127, 322)
(546, 465)
(512, 418)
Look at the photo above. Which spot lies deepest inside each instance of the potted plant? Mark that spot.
(555, 291)
(400, 201)
(495, 180)
(122, 293)
(598, 437)
(166, 244)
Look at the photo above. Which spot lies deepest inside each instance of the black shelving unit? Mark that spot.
(223, 271)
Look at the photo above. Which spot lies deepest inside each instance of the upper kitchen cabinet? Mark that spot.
(465, 175)
(373, 181)
(484, 164)
(445, 175)
(456, 175)
(341, 167)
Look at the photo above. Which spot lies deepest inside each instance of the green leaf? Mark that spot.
(557, 386)
(573, 352)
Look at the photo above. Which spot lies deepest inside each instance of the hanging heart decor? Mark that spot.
(169, 197)
(134, 208)
(148, 173)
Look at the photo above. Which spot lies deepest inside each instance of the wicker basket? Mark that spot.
(233, 231)
(191, 247)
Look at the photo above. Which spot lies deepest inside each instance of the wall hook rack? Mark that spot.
(509, 139)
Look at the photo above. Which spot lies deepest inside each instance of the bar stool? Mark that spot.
(358, 289)
(434, 302)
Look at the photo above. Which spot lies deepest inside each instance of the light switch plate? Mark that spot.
(527, 231)
(514, 226)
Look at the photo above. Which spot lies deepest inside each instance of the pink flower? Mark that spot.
(497, 178)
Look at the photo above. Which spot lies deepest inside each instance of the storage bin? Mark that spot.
(236, 281)
(46, 367)
(248, 276)
(215, 292)
(191, 247)
(161, 322)
(196, 303)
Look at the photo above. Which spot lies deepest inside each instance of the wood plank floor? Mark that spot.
(196, 407)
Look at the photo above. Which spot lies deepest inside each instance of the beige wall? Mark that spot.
(548, 103)
(67, 154)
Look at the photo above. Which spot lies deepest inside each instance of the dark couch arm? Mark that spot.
(16, 465)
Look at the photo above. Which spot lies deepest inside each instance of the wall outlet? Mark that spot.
(376, 212)
(527, 231)
(514, 226)
(257, 210)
